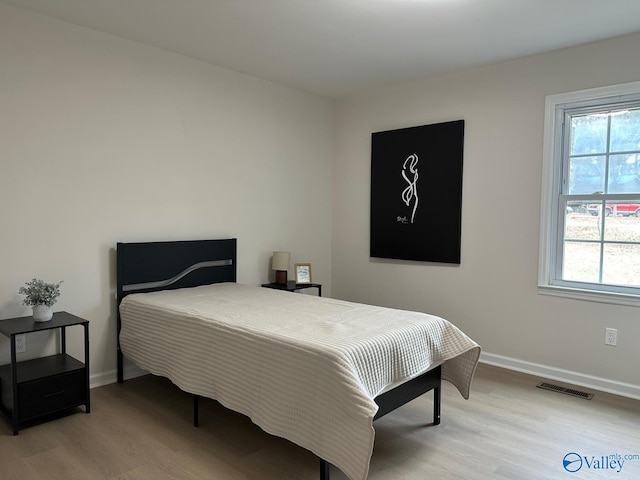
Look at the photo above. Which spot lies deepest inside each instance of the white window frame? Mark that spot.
(550, 220)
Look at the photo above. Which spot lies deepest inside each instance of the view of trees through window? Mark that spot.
(600, 196)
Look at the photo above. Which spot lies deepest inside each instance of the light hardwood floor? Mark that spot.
(508, 429)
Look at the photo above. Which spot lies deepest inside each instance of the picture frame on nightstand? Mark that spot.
(303, 272)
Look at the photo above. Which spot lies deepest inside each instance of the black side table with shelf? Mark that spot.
(32, 389)
(292, 286)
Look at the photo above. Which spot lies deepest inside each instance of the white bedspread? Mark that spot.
(301, 367)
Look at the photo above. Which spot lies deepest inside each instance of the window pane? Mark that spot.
(621, 265)
(621, 225)
(581, 262)
(623, 174)
(625, 131)
(588, 134)
(580, 224)
(586, 175)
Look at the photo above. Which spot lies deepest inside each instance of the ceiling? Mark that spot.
(337, 47)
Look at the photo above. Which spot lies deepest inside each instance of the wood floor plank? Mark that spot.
(508, 429)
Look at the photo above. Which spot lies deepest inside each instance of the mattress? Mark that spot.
(302, 367)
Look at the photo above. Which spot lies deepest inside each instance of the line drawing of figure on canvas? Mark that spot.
(411, 192)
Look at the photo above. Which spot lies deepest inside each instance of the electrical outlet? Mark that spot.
(21, 343)
(611, 336)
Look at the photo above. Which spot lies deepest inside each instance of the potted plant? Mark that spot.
(41, 296)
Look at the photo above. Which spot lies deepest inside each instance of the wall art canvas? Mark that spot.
(416, 193)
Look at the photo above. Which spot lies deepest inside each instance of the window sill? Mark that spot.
(590, 295)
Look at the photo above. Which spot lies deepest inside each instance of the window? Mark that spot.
(590, 222)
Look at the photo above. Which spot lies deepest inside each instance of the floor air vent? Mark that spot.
(566, 391)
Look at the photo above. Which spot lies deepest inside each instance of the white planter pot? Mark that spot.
(42, 313)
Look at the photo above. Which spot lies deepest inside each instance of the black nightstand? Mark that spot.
(35, 388)
(292, 286)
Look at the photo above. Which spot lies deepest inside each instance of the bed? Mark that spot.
(316, 371)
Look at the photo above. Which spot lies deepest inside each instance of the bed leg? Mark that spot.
(120, 362)
(436, 405)
(196, 400)
(325, 470)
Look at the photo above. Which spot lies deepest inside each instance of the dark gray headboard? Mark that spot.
(152, 266)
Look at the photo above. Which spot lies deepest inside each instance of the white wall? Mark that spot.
(105, 140)
(492, 295)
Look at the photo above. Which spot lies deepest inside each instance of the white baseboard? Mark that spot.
(558, 374)
(130, 371)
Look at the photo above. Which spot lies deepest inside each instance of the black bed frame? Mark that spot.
(152, 266)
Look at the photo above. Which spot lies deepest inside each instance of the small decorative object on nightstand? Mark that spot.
(34, 389)
(41, 297)
(280, 263)
(303, 272)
